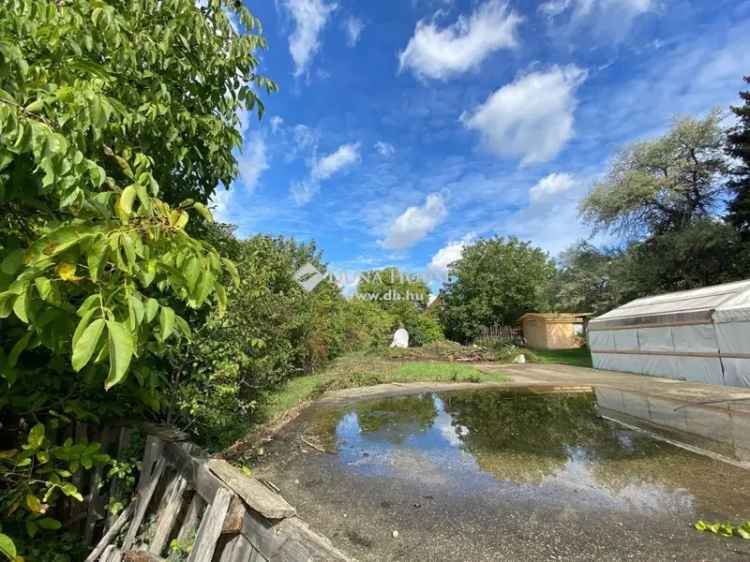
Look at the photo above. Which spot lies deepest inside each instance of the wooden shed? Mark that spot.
(553, 330)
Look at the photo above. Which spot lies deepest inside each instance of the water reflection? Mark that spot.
(551, 449)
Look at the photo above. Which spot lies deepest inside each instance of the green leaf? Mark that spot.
(22, 305)
(33, 504)
(232, 269)
(152, 309)
(203, 212)
(95, 257)
(49, 524)
(192, 271)
(36, 436)
(121, 348)
(7, 548)
(82, 325)
(221, 298)
(127, 197)
(86, 344)
(19, 348)
(12, 262)
(70, 490)
(166, 322)
(136, 312)
(182, 220)
(143, 196)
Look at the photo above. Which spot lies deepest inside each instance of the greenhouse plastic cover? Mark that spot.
(701, 335)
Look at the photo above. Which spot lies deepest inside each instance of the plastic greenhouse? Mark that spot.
(700, 335)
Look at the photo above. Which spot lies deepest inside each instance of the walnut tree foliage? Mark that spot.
(118, 121)
(110, 114)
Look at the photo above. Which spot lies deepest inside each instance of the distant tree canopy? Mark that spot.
(738, 147)
(662, 185)
(589, 279)
(388, 287)
(667, 197)
(495, 282)
(404, 297)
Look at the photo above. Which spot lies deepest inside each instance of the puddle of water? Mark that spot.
(523, 448)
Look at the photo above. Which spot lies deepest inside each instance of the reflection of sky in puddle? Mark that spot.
(435, 458)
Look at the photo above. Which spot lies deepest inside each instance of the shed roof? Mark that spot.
(556, 316)
(696, 305)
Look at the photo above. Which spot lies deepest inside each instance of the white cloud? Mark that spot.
(303, 191)
(345, 156)
(609, 19)
(448, 254)
(415, 223)
(550, 219)
(276, 123)
(252, 162)
(550, 186)
(220, 205)
(433, 52)
(530, 118)
(353, 27)
(310, 17)
(385, 149)
(304, 136)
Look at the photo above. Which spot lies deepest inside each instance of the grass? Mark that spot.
(580, 357)
(357, 369)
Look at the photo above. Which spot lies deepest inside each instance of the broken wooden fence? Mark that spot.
(193, 508)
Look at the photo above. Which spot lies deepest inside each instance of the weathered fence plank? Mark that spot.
(289, 540)
(194, 469)
(210, 527)
(227, 555)
(253, 493)
(103, 543)
(234, 518)
(230, 518)
(141, 556)
(107, 554)
(168, 512)
(192, 518)
(144, 493)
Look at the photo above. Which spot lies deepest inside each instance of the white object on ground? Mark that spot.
(400, 338)
(519, 359)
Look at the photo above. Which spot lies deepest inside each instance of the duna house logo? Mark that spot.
(308, 277)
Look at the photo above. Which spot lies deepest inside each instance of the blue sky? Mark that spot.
(405, 128)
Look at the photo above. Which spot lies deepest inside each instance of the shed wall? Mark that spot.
(535, 333)
(562, 336)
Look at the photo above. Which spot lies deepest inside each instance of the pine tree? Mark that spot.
(738, 147)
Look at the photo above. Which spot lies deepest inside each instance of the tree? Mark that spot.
(404, 297)
(118, 121)
(389, 287)
(589, 280)
(662, 185)
(738, 148)
(495, 282)
(707, 252)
